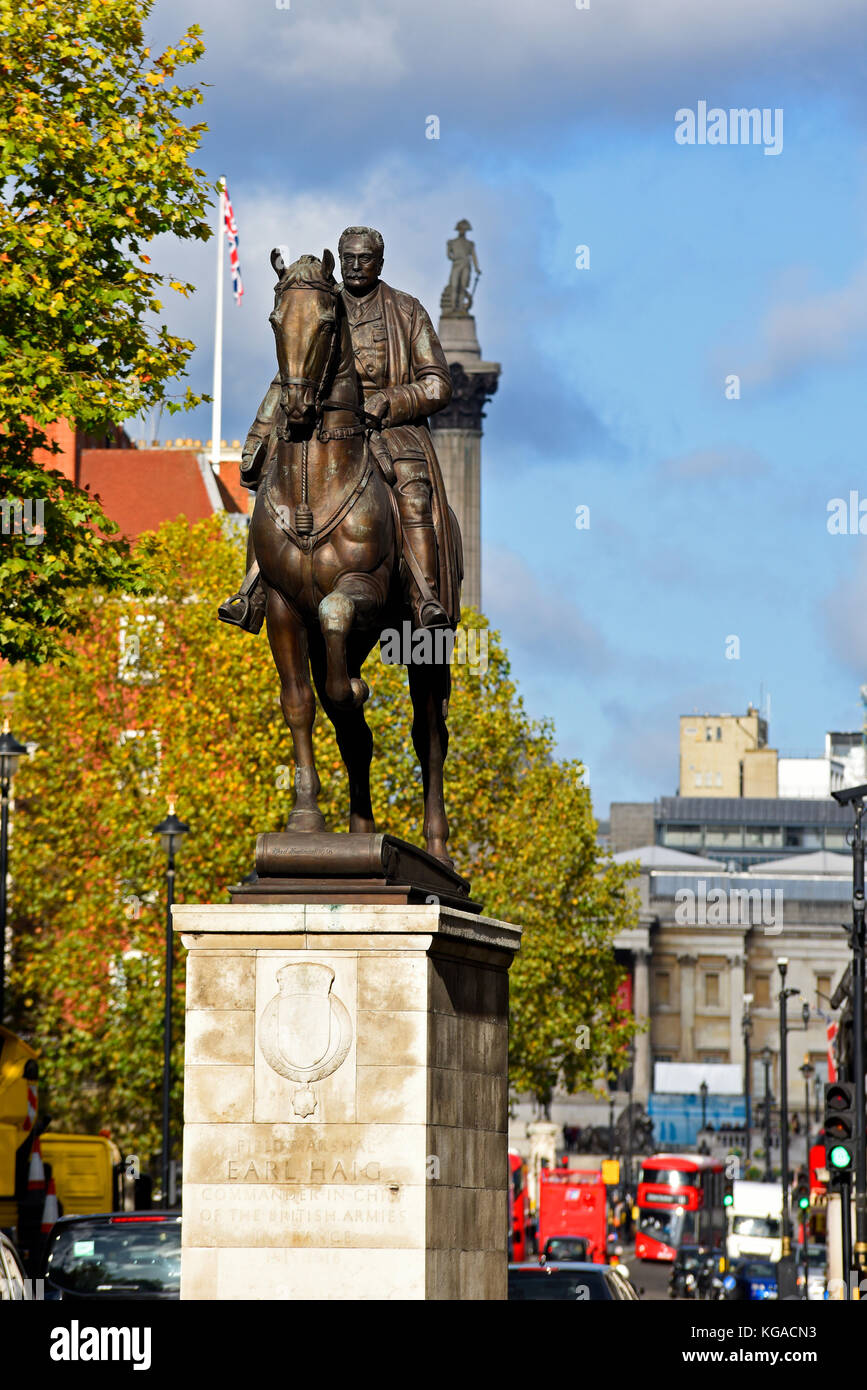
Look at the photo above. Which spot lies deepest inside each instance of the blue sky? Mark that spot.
(707, 515)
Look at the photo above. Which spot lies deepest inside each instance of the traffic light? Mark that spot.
(840, 1128)
(802, 1197)
(729, 1193)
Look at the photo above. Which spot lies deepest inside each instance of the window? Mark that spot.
(718, 733)
(711, 989)
(724, 835)
(836, 840)
(685, 835)
(708, 779)
(708, 733)
(823, 990)
(770, 835)
(762, 991)
(698, 779)
(662, 987)
(719, 779)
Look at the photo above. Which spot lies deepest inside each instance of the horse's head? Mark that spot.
(306, 323)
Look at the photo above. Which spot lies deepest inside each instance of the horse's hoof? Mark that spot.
(306, 822)
(438, 850)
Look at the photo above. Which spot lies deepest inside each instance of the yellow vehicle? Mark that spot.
(85, 1167)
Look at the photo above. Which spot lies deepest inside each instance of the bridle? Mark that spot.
(318, 387)
(303, 512)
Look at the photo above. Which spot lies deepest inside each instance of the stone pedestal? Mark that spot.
(345, 1113)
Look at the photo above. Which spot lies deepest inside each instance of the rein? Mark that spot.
(304, 512)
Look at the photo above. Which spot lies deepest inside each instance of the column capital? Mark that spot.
(470, 392)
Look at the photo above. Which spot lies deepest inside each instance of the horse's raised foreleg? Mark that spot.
(354, 739)
(351, 600)
(289, 644)
(430, 687)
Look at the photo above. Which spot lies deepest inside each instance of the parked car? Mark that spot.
(15, 1287)
(752, 1281)
(119, 1255)
(560, 1248)
(571, 1281)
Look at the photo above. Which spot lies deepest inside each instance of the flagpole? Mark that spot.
(217, 393)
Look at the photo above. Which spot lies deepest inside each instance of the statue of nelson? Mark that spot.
(405, 378)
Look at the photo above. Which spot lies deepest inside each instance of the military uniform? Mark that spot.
(398, 355)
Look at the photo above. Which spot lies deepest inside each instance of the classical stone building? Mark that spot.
(708, 937)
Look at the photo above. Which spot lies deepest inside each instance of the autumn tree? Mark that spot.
(95, 162)
(158, 700)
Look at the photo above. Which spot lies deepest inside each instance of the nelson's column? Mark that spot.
(458, 428)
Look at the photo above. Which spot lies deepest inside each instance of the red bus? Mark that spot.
(573, 1202)
(519, 1207)
(680, 1202)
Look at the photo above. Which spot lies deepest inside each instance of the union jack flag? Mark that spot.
(232, 238)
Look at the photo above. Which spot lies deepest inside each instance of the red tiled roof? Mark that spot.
(229, 483)
(140, 488)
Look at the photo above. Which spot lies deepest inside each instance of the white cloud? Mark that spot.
(805, 329)
(542, 620)
(506, 51)
(842, 618)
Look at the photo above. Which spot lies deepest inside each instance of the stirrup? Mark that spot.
(240, 612)
(429, 613)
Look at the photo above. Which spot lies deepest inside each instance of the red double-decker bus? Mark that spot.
(680, 1202)
(519, 1207)
(574, 1202)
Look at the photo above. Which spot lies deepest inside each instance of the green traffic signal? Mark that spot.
(840, 1157)
(728, 1199)
(803, 1203)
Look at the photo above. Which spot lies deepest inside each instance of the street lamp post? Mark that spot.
(855, 796)
(807, 1071)
(767, 1057)
(747, 1025)
(10, 752)
(631, 1054)
(171, 832)
(612, 1086)
(786, 1277)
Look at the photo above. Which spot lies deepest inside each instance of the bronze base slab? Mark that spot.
(336, 867)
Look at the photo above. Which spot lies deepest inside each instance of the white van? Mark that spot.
(755, 1221)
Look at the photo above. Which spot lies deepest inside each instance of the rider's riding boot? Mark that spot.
(427, 610)
(246, 609)
(413, 493)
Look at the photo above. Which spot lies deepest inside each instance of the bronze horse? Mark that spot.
(326, 534)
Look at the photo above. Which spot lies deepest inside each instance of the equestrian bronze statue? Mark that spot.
(351, 532)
